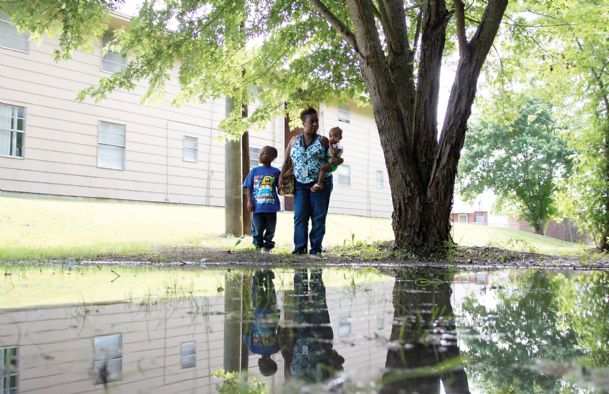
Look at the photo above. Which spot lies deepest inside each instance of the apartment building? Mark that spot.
(120, 148)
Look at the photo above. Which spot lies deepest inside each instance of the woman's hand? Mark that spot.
(280, 184)
(250, 206)
(337, 160)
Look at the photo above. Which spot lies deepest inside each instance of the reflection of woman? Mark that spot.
(309, 350)
(306, 154)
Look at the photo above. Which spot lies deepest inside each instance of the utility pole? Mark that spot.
(245, 169)
(233, 205)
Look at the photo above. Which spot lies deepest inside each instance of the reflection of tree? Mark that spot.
(525, 326)
(424, 351)
(589, 310)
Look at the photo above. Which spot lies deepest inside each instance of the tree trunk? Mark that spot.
(421, 169)
(604, 241)
(232, 183)
(245, 169)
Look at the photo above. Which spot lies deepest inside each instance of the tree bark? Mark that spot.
(232, 183)
(421, 169)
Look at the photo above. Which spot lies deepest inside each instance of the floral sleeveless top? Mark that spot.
(307, 162)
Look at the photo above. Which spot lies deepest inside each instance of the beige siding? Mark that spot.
(56, 343)
(61, 134)
(363, 153)
(60, 154)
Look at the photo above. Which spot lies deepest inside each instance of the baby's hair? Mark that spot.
(336, 129)
(307, 112)
(272, 149)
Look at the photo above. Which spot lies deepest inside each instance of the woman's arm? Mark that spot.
(287, 163)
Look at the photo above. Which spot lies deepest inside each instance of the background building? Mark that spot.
(121, 149)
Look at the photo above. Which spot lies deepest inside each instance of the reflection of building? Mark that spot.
(163, 347)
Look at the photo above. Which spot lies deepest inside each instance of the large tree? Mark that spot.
(385, 52)
(523, 162)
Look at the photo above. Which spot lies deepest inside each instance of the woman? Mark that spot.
(307, 153)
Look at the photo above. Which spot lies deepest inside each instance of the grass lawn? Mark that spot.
(33, 228)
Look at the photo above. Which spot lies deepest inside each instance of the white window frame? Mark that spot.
(477, 216)
(103, 356)
(14, 130)
(344, 179)
(105, 61)
(462, 215)
(5, 19)
(186, 148)
(344, 114)
(380, 180)
(254, 157)
(10, 372)
(99, 143)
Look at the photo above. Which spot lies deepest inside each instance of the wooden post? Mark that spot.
(232, 182)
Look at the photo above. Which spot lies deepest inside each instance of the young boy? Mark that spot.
(336, 150)
(262, 199)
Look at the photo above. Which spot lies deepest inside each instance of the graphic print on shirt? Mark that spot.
(264, 194)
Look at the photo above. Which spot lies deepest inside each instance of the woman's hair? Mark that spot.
(307, 112)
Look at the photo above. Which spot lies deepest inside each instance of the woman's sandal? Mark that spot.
(317, 188)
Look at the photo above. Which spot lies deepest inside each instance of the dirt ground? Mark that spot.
(378, 255)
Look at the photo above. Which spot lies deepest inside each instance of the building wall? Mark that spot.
(471, 217)
(61, 135)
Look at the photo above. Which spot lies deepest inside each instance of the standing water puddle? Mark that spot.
(126, 330)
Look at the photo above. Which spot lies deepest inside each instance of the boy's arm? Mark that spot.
(250, 204)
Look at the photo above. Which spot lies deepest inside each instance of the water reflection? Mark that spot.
(308, 347)
(423, 355)
(295, 330)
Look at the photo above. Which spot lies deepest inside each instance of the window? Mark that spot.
(344, 175)
(479, 218)
(344, 326)
(9, 370)
(107, 358)
(254, 155)
(344, 114)
(380, 180)
(462, 218)
(191, 148)
(12, 121)
(188, 352)
(380, 322)
(111, 146)
(9, 36)
(111, 61)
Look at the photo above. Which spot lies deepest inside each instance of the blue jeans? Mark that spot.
(263, 229)
(314, 206)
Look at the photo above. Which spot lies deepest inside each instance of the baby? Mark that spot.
(336, 150)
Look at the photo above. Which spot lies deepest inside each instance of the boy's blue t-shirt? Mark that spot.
(262, 339)
(263, 181)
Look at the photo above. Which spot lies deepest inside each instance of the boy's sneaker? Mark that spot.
(265, 251)
(299, 251)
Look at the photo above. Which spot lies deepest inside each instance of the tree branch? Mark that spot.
(336, 23)
(460, 20)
